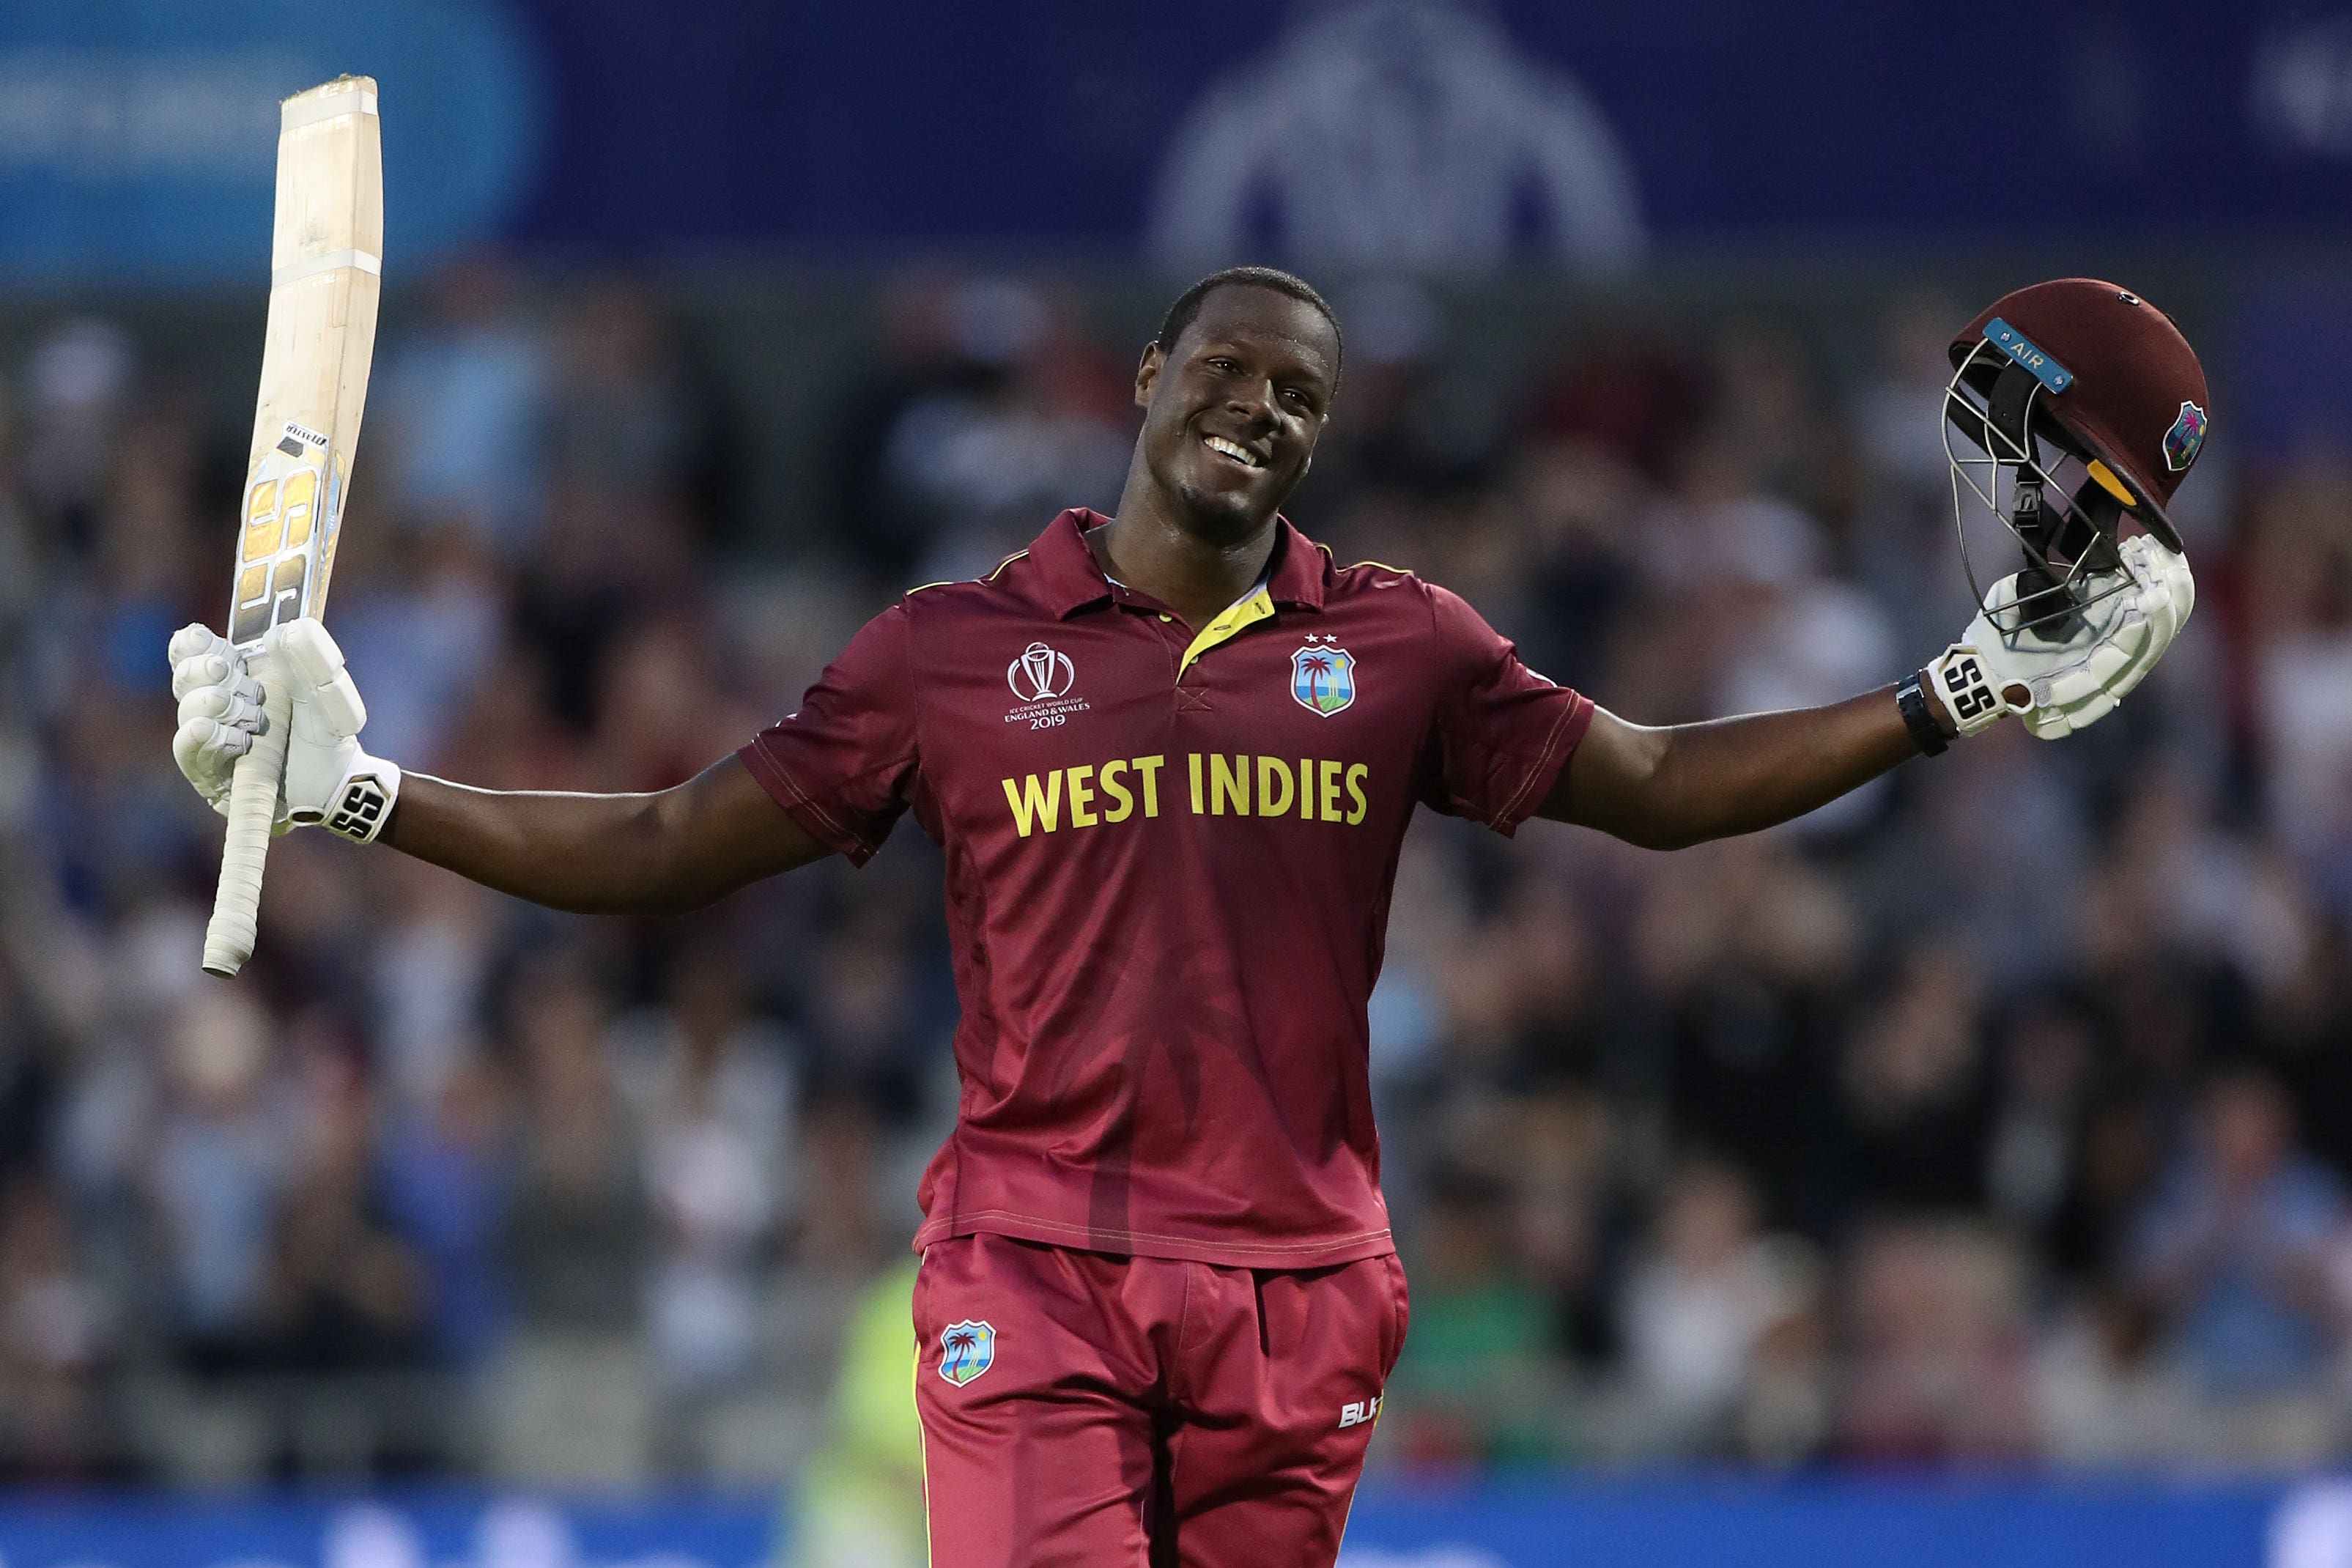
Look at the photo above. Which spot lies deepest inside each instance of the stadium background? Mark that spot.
(1957, 1176)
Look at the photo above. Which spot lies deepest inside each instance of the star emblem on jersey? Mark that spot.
(966, 1349)
(1323, 676)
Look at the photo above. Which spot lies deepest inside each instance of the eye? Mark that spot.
(1222, 362)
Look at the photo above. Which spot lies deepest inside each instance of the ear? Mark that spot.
(1146, 375)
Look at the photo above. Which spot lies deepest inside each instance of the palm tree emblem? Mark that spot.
(966, 1349)
(1323, 679)
(1317, 668)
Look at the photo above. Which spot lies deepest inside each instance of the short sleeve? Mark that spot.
(1502, 731)
(842, 765)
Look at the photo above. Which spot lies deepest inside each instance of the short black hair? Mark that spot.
(1187, 308)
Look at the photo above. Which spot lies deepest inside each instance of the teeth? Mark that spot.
(1232, 449)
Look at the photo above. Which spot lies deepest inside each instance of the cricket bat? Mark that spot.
(325, 259)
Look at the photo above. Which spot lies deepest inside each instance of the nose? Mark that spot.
(1253, 402)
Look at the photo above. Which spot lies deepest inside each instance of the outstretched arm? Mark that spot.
(1684, 783)
(662, 853)
(1666, 788)
(659, 852)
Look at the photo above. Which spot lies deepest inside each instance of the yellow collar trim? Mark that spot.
(1232, 619)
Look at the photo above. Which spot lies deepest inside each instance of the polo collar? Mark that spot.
(1069, 581)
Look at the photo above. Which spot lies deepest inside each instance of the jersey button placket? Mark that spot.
(1190, 699)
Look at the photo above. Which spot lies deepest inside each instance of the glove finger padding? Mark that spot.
(192, 639)
(313, 666)
(206, 671)
(2168, 593)
(338, 704)
(2068, 688)
(2098, 668)
(227, 706)
(198, 669)
(2168, 584)
(2054, 722)
(2090, 711)
(2179, 596)
(2048, 724)
(2122, 683)
(207, 750)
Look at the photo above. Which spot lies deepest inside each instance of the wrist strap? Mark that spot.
(1958, 674)
(365, 802)
(1926, 733)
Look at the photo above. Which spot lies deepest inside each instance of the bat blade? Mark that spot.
(325, 278)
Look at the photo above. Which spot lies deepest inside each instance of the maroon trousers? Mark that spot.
(1096, 1411)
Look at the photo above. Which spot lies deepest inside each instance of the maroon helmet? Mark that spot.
(2084, 406)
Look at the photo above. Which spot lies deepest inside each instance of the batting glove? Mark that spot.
(330, 779)
(2065, 683)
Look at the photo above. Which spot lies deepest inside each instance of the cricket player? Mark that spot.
(1169, 757)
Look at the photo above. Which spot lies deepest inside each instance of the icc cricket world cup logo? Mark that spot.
(1040, 674)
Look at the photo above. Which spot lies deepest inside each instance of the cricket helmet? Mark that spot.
(2074, 407)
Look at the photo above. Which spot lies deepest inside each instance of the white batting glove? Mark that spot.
(329, 779)
(220, 709)
(2061, 685)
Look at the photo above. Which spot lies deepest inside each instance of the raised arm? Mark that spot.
(1664, 788)
(659, 852)
(662, 853)
(1668, 787)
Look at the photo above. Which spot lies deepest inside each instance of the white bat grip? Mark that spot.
(252, 808)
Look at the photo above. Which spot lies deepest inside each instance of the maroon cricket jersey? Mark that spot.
(1169, 860)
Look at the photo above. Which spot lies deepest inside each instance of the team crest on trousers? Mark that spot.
(1323, 676)
(966, 1349)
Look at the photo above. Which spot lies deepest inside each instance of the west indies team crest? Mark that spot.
(1323, 676)
(966, 1349)
(2188, 434)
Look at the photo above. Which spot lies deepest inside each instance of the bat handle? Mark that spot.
(252, 809)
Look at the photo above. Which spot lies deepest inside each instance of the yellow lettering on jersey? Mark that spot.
(1115, 791)
(1228, 780)
(1272, 771)
(1092, 795)
(1147, 769)
(1033, 806)
(1241, 613)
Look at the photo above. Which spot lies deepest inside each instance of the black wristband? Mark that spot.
(1926, 733)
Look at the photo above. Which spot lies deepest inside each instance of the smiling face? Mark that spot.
(1233, 411)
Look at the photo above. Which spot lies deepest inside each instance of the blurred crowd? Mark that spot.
(2002, 1111)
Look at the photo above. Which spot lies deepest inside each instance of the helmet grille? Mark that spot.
(2013, 459)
